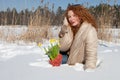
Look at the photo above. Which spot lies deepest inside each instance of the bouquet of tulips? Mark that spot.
(55, 58)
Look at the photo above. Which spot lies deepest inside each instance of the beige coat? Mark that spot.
(83, 48)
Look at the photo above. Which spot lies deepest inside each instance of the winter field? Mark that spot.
(27, 61)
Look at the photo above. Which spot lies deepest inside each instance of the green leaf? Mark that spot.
(46, 51)
(53, 51)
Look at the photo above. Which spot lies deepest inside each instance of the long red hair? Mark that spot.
(82, 13)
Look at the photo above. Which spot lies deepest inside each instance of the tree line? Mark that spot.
(105, 14)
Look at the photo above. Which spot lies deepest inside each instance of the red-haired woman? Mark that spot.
(78, 37)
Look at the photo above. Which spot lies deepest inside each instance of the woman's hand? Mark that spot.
(63, 31)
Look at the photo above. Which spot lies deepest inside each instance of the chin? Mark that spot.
(74, 25)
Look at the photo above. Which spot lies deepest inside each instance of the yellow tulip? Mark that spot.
(52, 40)
(39, 44)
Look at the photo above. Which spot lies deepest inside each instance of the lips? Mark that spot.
(72, 22)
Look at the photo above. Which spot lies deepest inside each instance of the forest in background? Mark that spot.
(105, 14)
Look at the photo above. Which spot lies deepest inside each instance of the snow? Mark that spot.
(28, 62)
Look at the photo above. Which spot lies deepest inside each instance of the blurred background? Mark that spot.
(39, 16)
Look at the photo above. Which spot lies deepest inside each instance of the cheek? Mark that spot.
(69, 19)
(78, 20)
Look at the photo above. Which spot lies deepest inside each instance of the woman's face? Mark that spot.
(73, 18)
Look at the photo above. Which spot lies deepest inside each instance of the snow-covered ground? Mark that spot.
(29, 62)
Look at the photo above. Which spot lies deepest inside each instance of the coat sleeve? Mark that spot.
(91, 49)
(66, 40)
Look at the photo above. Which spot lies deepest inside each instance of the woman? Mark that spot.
(78, 37)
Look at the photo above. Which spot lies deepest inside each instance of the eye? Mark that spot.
(74, 15)
(69, 16)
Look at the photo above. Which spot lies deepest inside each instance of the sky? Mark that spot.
(30, 4)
